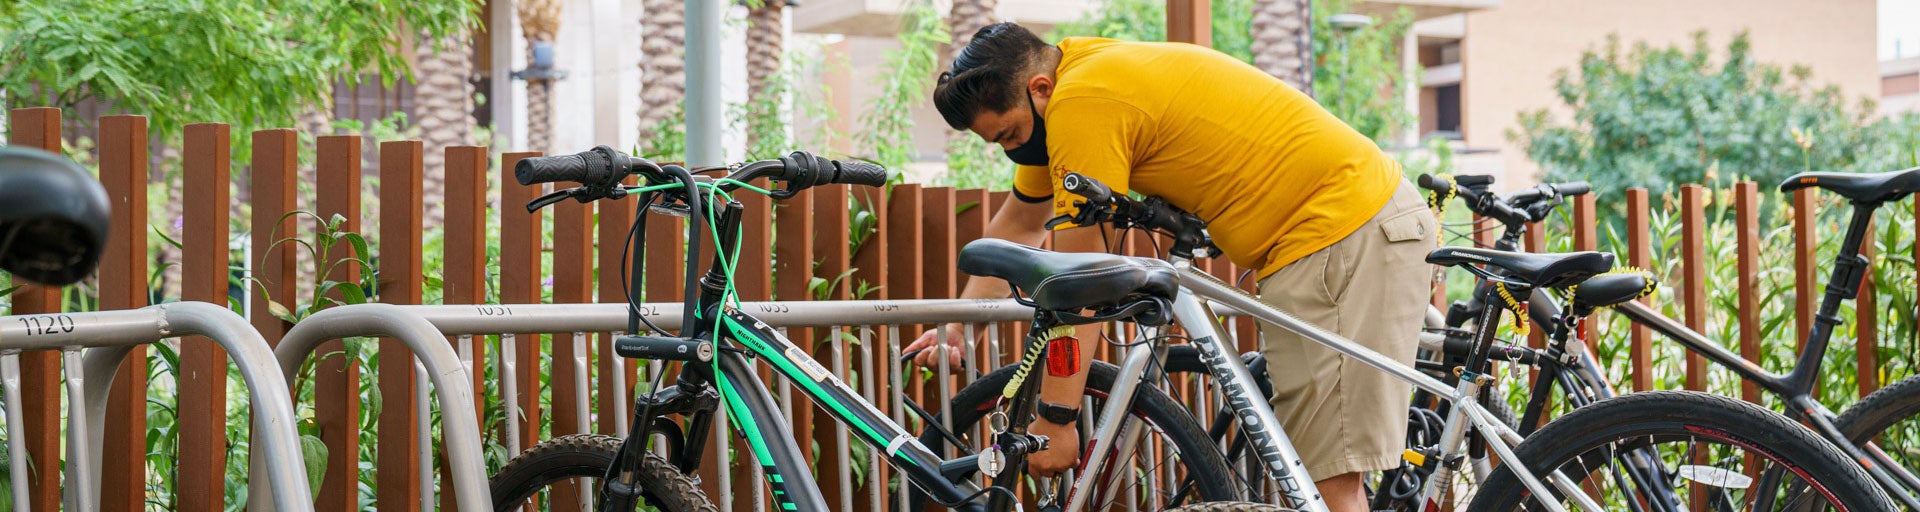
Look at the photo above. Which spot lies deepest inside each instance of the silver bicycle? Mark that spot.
(1574, 469)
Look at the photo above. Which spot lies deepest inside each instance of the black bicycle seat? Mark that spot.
(1538, 270)
(1609, 290)
(1876, 187)
(53, 217)
(1058, 281)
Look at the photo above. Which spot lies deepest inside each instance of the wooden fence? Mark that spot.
(911, 254)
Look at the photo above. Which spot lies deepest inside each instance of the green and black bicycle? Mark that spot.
(716, 345)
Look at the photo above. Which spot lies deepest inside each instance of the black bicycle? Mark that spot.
(717, 341)
(1567, 365)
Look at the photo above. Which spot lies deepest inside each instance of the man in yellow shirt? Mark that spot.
(1336, 234)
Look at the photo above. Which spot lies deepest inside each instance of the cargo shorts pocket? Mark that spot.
(1410, 225)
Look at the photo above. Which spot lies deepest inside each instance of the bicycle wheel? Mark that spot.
(587, 456)
(1890, 418)
(1173, 448)
(1398, 489)
(1688, 450)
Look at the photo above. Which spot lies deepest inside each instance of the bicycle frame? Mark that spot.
(1257, 419)
(1795, 387)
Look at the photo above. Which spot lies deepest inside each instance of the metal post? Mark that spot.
(499, 77)
(16, 425)
(704, 108)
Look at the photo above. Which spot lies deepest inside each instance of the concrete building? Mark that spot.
(1900, 86)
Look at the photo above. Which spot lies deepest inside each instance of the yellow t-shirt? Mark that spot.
(1275, 176)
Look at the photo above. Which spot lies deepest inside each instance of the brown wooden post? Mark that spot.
(1639, 254)
(1485, 231)
(615, 372)
(201, 482)
(793, 268)
(464, 272)
(870, 266)
(1746, 212)
(123, 285)
(942, 243)
(1535, 241)
(336, 375)
(1190, 21)
(40, 371)
(273, 173)
(970, 225)
(1866, 322)
(572, 284)
(1805, 272)
(1585, 238)
(1693, 262)
(397, 452)
(831, 258)
(520, 284)
(906, 222)
(463, 267)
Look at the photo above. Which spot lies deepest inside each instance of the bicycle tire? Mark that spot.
(588, 456)
(1871, 417)
(1632, 419)
(1213, 480)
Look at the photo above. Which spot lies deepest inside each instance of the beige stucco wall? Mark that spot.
(1511, 52)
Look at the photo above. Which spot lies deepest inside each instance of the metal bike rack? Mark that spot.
(424, 329)
(108, 336)
(460, 429)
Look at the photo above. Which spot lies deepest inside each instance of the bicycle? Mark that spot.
(1826, 469)
(715, 372)
(1573, 370)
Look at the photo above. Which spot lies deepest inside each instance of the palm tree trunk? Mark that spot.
(967, 17)
(443, 108)
(539, 21)
(1282, 45)
(766, 40)
(663, 65)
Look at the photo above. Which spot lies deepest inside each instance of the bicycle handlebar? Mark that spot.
(600, 170)
(1522, 207)
(1102, 205)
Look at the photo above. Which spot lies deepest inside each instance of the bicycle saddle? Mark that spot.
(1538, 270)
(1876, 187)
(1612, 289)
(1058, 281)
(53, 217)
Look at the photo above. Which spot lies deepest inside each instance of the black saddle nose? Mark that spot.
(1061, 281)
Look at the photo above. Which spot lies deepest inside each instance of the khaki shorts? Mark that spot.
(1370, 287)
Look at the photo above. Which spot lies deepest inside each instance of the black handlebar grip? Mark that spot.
(1430, 182)
(1086, 187)
(859, 173)
(1572, 189)
(549, 169)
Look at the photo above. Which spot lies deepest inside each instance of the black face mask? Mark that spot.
(1034, 151)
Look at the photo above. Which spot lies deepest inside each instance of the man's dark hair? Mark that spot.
(988, 74)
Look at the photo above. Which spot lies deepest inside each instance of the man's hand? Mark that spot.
(1062, 453)
(956, 346)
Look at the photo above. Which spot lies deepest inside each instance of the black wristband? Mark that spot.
(1058, 414)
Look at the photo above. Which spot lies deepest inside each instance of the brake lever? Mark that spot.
(548, 200)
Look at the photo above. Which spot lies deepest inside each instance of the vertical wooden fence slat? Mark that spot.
(272, 173)
(906, 217)
(615, 221)
(520, 284)
(202, 475)
(1535, 241)
(1806, 287)
(831, 259)
(1639, 254)
(1866, 342)
(1746, 213)
(1585, 238)
(942, 243)
(336, 375)
(793, 267)
(1693, 263)
(463, 269)
(397, 454)
(1485, 230)
(870, 267)
(572, 284)
(40, 371)
(123, 285)
(753, 278)
(970, 225)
